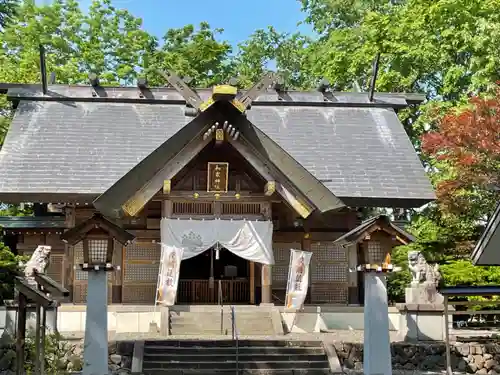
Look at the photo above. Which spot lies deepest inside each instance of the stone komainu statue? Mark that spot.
(38, 262)
(421, 271)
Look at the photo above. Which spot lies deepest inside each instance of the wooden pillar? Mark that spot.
(69, 252)
(266, 284)
(166, 208)
(266, 272)
(252, 282)
(306, 246)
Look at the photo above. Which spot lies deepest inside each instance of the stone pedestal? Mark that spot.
(423, 294)
(377, 350)
(95, 352)
(424, 322)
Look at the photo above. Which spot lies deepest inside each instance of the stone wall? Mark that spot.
(478, 357)
(66, 360)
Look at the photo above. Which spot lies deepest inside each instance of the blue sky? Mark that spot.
(237, 21)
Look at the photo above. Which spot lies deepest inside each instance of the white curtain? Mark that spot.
(251, 240)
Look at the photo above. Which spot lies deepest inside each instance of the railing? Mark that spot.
(198, 291)
(235, 338)
(221, 304)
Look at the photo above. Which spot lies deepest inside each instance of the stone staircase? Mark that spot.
(217, 357)
(250, 320)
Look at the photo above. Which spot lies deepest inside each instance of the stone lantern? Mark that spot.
(97, 235)
(376, 237)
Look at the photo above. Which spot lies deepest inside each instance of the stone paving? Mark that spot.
(354, 336)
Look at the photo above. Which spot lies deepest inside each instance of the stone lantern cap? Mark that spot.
(97, 221)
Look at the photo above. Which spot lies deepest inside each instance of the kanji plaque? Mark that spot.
(218, 175)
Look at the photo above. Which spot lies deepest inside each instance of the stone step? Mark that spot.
(240, 372)
(174, 358)
(252, 350)
(211, 365)
(230, 343)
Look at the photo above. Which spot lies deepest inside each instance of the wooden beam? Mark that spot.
(292, 196)
(137, 202)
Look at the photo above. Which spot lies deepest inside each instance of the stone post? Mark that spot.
(377, 351)
(266, 284)
(377, 344)
(95, 355)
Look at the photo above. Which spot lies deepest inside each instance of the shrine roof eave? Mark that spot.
(486, 252)
(167, 95)
(381, 222)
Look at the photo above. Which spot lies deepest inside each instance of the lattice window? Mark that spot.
(80, 293)
(282, 261)
(98, 250)
(141, 273)
(330, 272)
(328, 251)
(193, 208)
(148, 251)
(241, 209)
(280, 274)
(376, 254)
(139, 294)
(329, 293)
(80, 275)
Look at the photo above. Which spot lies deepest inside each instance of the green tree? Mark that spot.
(8, 9)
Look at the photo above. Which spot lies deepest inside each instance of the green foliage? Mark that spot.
(58, 354)
(9, 266)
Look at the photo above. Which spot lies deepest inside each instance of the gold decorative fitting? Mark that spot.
(219, 135)
(307, 235)
(217, 195)
(167, 185)
(237, 195)
(196, 195)
(269, 188)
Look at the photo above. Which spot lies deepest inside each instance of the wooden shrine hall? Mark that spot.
(194, 167)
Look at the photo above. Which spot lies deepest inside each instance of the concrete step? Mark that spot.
(226, 365)
(242, 357)
(240, 372)
(230, 343)
(223, 351)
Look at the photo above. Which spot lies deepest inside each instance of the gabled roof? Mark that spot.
(380, 222)
(487, 250)
(71, 150)
(78, 233)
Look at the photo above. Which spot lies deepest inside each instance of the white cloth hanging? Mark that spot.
(251, 240)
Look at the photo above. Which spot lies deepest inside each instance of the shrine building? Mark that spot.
(171, 164)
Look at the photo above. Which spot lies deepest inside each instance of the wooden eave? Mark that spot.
(51, 286)
(32, 294)
(374, 224)
(78, 233)
(143, 181)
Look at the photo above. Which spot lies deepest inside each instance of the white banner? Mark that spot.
(168, 277)
(298, 279)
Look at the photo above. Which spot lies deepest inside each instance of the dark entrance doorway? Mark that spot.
(231, 283)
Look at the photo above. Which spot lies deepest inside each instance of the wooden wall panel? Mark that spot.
(141, 263)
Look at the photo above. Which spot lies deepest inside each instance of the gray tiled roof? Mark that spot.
(355, 152)
(84, 148)
(486, 251)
